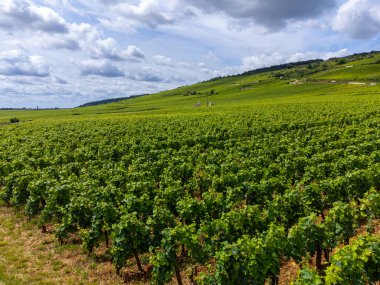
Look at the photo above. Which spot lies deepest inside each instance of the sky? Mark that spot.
(63, 53)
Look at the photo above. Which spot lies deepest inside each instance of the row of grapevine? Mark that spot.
(238, 193)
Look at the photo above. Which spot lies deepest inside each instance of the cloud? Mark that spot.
(89, 39)
(359, 19)
(59, 80)
(211, 56)
(185, 65)
(266, 60)
(128, 16)
(24, 15)
(148, 74)
(21, 15)
(272, 14)
(111, 2)
(62, 43)
(133, 52)
(100, 68)
(163, 60)
(108, 48)
(81, 36)
(17, 63)
(117, 23)
(262, 60)
(151, 13)
(302, 56)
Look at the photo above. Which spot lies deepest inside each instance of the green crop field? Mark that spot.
(280, 166)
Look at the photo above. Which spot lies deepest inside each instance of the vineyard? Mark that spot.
(221, 195)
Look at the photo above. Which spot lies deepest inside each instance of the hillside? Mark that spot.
(293, 82)
(255, 85)
(107, 101)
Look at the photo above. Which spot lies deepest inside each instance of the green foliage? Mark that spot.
(308, 276)
(164, 259)
(305, 238)
(370, 204)
(250, 260)
(341, 61)
(340, 224)
(130, 236)
(358, 263)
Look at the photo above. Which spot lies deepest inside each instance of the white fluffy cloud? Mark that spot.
(147, 74)
(133, 53)
(266, 60)
(108, 48)
(359, 19)
(100, 68)
(153, 75)
(80, 36)
(301, 56)
(24, 15)
(262, 60)
(151, 13)
(21, 15)
(90, 40)
(17, 63)
(163, 60)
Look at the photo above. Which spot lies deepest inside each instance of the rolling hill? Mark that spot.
(316, 80)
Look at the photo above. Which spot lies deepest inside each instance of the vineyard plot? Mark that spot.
(230, 195)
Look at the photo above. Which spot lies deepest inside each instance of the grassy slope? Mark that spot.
(237, 92)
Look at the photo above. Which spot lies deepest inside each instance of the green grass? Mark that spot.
(367, 73)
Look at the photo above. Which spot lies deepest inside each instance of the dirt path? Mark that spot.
(28, 256)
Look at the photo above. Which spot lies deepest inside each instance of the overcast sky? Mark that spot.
(62, 53)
